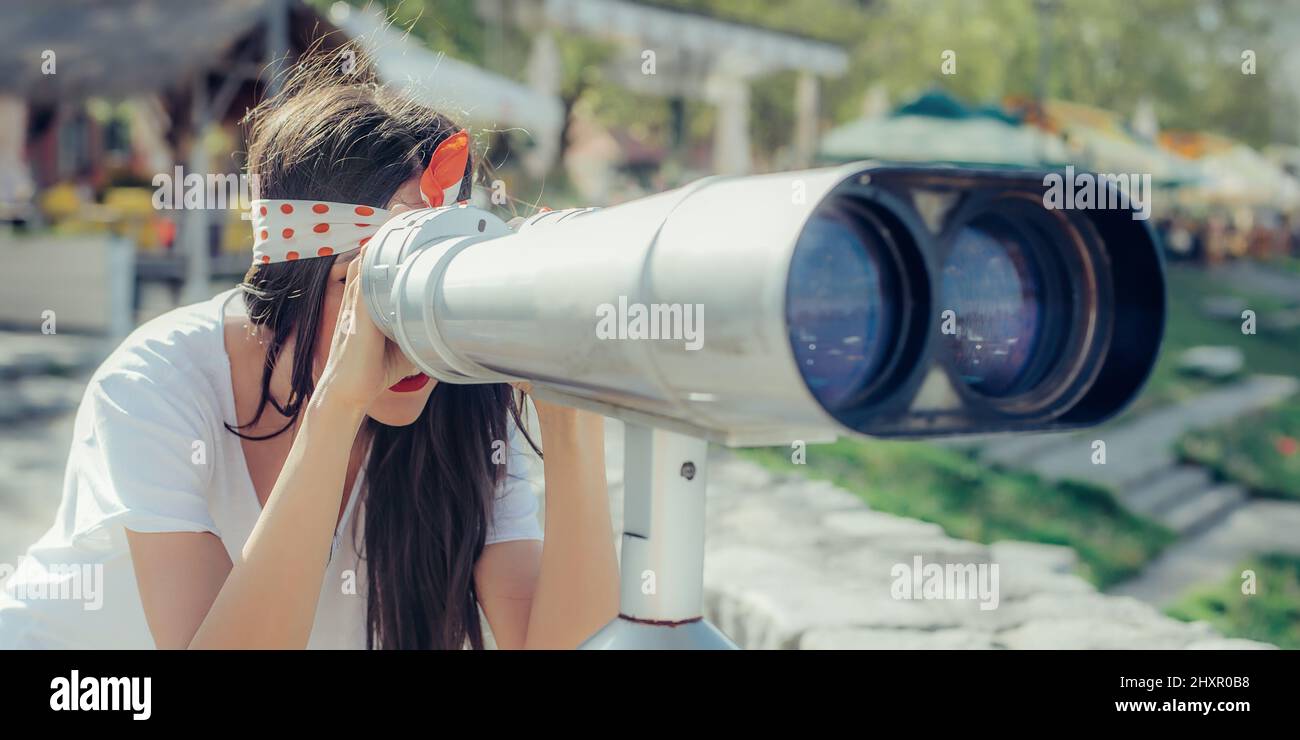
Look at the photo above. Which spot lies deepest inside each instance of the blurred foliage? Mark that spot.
(1183, 55)
(1286, 264)
(1260, 451)
(1186, 326)
(974, 502)
(1252, 450)
(1271, 614)
(449, 26)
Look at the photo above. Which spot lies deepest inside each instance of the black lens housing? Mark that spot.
(845, 243)
(1099, 285)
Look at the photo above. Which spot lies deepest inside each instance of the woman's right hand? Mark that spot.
(362, 362)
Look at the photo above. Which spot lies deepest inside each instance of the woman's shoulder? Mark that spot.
(179, 353)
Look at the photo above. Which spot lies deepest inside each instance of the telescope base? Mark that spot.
(630, 634)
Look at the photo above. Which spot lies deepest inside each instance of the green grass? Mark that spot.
(1271, 614)
(1261, 451)
(1286, 264)
(974, 502)
(1269, 352)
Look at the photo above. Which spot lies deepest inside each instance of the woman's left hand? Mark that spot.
(578, 587)
(545, 409)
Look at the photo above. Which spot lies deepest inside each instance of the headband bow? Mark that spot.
(287, 230)
(440, 183)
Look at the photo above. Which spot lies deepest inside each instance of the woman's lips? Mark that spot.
(410, 383)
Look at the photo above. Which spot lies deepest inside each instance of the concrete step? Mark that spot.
(30, 354)
(1141, 448)
(1165, 489)
(1012, 450)
(40, 396)
(1210, 555)
(1197, 512)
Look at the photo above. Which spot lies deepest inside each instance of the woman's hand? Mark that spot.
(547, 410)
(362, 362)
(563, 426)
(577, 587)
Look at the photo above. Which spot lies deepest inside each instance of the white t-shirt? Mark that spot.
(150, 453)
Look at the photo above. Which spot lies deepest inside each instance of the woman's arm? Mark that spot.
(269, 598)
(557, 595)
(194, 597)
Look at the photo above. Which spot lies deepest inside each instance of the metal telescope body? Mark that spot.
(536, 319)
(867, 298)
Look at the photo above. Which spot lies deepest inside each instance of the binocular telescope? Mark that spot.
(871, 298)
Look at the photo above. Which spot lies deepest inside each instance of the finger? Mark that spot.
(352, 285)
(354, 268)
(350, 314)
(398, 365)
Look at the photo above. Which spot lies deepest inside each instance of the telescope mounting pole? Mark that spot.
(661, 603)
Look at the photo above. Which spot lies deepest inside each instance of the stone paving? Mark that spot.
(1256, 278)
(803, 564)
(32, 456)
(1220, 526)
(1259, 526)
(1144, 445)
(791, 563)
(42, 378)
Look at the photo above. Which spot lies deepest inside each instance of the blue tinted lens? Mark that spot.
(839, 309)
(994, 287)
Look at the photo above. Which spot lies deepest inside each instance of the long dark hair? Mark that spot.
(430, 485)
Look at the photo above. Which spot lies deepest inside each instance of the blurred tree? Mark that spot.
(1184, 55)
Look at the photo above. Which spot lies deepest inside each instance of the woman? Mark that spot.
(266, 470)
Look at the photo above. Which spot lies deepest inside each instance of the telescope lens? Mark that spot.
(995, 287)
(840, 307)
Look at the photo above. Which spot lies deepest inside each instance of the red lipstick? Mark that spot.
(410, 383)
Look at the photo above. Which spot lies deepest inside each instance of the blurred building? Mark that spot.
(678, 56)
(99, 100)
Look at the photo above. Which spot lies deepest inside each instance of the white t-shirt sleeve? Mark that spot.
(514, 514)
(140, 459)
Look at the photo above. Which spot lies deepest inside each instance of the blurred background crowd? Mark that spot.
(595, 102)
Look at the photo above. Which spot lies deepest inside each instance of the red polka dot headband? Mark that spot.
(287, 230)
